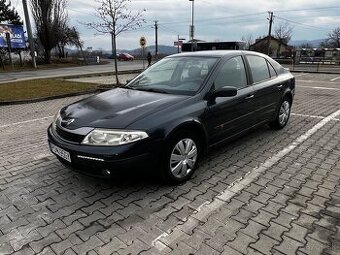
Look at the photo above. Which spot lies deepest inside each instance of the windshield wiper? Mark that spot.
(152, 90)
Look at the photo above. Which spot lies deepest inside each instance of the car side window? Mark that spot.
(259, 68)
(271, 70)
(232, 74)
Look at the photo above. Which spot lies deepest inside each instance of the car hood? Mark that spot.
(116, 108)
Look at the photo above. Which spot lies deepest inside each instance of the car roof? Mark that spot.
(216, 53)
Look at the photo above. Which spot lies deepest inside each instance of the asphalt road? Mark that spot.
(270, 192)
(80, 70)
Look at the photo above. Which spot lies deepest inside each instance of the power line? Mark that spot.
(310, 9)
(167, 28)
(301, 24)
(218, 18)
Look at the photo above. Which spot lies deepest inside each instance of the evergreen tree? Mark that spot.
(9, 15)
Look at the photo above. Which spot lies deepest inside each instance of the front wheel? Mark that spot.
(180, 158)
(283, 115)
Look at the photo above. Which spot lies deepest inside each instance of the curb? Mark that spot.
(71, 76)
(36, 100)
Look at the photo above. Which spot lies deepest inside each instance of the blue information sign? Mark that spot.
(16, 34)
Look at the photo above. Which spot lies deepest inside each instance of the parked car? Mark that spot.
(125, 57)
(173, 113)
(112, 56)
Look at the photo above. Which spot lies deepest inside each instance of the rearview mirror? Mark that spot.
(226, 91)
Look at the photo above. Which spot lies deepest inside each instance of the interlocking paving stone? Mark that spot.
(292, 207)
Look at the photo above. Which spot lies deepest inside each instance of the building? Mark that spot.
(277, 48)
(201, 45)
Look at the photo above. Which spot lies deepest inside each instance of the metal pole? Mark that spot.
(156, 37)
(192, 19)
(9, 47)
(269, 32)
(143, 58)
(29, 33)
(177, 43)
(192, 28)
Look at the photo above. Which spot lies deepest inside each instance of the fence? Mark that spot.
(312, 65)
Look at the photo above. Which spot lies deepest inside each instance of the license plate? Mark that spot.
(60, 152)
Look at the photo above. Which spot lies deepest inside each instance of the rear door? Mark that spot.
(267, 88)
(230, 115)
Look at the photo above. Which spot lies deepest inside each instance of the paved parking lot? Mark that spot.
(270, 192)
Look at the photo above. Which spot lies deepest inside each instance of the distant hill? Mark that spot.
(313, 43)
(162, 49)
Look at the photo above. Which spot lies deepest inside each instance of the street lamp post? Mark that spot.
(192, 28)
(29, 33)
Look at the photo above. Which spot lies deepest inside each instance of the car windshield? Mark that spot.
(178, 75)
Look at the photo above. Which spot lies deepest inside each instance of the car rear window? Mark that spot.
(259, 68)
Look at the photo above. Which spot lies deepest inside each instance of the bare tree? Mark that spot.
(248, 39)
(115, 18)
(70, 36)
(333, 39)
(50, 20)
(283, 33)
(74, 39)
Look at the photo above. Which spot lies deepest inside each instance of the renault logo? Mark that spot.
(66, 122)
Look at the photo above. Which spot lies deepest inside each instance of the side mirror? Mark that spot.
(226, 91)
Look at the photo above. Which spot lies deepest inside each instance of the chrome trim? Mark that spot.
(79, 131)
(90, 158)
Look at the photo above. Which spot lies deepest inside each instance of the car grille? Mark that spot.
(69, 136)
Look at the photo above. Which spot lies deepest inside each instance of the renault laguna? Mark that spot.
(171, 114)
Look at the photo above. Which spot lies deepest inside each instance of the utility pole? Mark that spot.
(192, 27)
(270, 31)
(156, 37)
(29, 33)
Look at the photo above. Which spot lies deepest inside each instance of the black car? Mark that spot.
(172, 113)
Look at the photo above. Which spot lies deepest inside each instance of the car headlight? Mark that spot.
(102, 137)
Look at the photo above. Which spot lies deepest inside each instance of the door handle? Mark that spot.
(249, 97)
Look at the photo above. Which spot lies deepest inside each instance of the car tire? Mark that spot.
(282, 115)
(180, 158)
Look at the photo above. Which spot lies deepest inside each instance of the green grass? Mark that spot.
(33, 89)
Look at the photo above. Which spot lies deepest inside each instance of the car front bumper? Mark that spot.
(102, 161)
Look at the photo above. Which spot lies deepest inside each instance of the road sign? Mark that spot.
(142, 42)
(178, 43)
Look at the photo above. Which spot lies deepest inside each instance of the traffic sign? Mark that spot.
(142, 42)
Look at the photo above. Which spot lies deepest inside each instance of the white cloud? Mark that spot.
(214, 20)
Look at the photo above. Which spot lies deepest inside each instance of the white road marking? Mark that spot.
(300, 75)
(336, 78)
(325, 88)
(207, 208)
(315, 81)
(24, 122)
(311, 116)
(308, 116)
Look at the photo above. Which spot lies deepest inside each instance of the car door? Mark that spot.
(230, 115)
(267, 89)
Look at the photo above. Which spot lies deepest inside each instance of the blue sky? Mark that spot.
(217, 20)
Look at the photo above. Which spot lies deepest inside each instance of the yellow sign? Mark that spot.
(142, 42)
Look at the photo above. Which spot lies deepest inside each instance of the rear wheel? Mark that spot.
(180, 157)
(283, 115)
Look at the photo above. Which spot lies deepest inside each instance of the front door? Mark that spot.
(228, 116)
